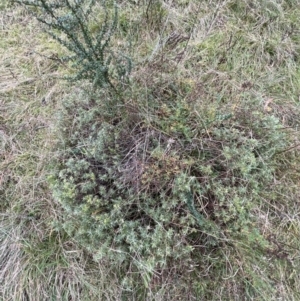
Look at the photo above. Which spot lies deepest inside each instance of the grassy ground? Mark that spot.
(225, 56)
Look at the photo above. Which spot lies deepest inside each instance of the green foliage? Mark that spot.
(69, 23)
(146, 197)
(233, 159)
(115, 207)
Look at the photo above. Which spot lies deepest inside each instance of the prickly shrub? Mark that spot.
(151, 195)
(71, 23)
(125, 191)
(117, 204)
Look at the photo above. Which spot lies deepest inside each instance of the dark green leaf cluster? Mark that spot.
(68, 22)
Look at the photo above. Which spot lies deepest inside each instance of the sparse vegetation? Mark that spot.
(183, 185)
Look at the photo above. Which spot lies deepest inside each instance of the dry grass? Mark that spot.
(234, 51)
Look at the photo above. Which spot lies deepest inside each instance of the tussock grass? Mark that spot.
(199, 62)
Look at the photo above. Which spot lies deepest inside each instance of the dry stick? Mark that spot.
(288, 149)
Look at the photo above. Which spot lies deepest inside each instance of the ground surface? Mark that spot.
(216, 57)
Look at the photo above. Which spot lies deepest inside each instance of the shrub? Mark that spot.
(150, 195)
(114, 201)
(71, 24)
